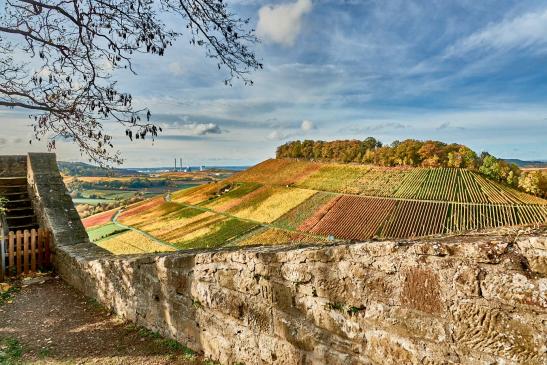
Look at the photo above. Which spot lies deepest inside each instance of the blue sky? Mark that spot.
(458, 71)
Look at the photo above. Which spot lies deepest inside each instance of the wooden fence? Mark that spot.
(26, 252)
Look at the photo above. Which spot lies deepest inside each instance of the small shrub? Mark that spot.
(335, 306)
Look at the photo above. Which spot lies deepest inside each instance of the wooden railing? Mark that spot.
(25, 252)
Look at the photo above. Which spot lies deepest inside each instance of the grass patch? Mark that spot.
(11, 351)
(168, 344)
(107, 230)
(189, 212)
(145, 332)
(228, 230)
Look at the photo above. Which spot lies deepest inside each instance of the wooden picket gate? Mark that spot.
(26, 252)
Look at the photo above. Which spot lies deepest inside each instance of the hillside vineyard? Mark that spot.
(287, 201)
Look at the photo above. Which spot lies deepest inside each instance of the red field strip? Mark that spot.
(98, 219)
(312, 221)
(147, 205)
(354, 217)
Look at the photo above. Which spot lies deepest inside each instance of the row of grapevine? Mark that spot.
(458, 185)
(354, 217)
(360, 218)
(415, 219)
(381, 181)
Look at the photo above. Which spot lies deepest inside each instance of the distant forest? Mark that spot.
(416, 153)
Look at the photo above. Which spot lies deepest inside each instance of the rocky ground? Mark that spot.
(44, 321)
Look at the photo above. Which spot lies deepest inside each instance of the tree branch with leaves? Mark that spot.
(57, 59)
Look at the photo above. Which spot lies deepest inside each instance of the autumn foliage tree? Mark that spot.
(416, 153)
(57, 58)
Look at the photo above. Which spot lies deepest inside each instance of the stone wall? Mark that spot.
(461, 300)
(52, 203)
(480, 300)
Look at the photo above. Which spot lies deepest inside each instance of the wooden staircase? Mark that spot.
(19, 212)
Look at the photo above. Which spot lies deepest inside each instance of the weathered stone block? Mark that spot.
(421, 290)
(486, 328)
(514, 289)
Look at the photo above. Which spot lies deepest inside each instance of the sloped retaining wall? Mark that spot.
(463, 300)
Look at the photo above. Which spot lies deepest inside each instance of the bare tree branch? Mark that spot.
(72, 48)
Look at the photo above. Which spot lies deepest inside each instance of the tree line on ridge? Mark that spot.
(415, 153)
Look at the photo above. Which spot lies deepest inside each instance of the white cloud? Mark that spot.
(307, 125)
(524, 31)
(197, 129)
(276, 136)
(175, 68)
(281, 23)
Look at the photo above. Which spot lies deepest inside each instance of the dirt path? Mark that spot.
(47, 322)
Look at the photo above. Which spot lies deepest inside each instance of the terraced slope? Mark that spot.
(282, 201)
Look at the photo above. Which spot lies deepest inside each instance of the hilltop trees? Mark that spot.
(57, 58)
(534, 182)
(415, 153)
(499, 170)
(409, 152)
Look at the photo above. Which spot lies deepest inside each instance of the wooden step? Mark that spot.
(19, 203)
(18, 209)
(14, 193)
(20, 217)
(13, 180)
(22, 227)
(13, 187)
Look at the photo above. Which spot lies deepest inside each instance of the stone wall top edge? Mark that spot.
(353, 246)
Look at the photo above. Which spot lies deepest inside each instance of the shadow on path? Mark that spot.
(47, 322)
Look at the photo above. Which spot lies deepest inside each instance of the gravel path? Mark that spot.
(47, 322)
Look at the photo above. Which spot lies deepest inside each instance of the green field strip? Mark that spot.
(104, 231)
(228, 231)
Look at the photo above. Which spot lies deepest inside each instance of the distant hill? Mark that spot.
(283, 201)
(526, 164)
(84, 169)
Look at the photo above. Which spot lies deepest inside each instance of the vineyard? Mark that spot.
(132, 243)
(282, 201)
